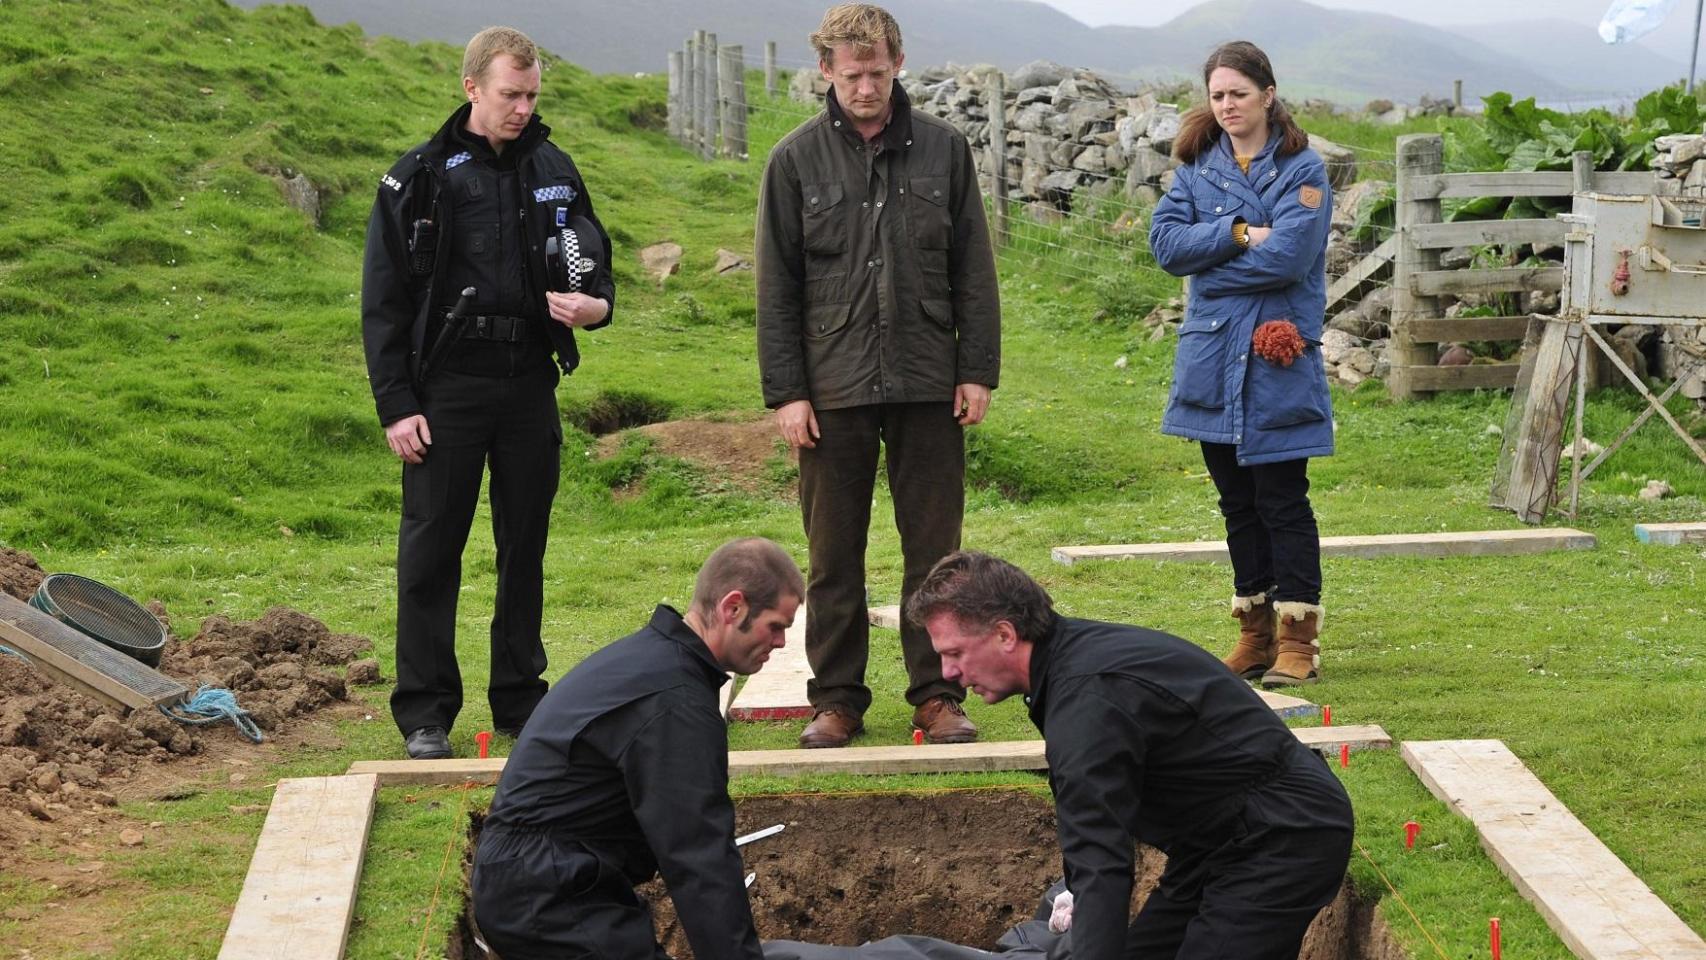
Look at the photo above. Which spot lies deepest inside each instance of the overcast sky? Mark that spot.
(1147, 13)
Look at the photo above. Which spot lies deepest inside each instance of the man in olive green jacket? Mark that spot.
(879, 326)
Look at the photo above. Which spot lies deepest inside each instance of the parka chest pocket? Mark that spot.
(821, 226)
(927, 213)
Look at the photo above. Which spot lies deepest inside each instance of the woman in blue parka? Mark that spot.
(1246, 220)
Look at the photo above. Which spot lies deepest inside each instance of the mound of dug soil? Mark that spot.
(739, 452)
(63, 753)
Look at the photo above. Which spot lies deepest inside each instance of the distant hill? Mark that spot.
(1342, 55)
(1556, 49)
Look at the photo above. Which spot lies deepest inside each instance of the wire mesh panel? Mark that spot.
(103, 613)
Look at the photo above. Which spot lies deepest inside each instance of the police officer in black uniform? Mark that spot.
(623, 774)
(1150, 738)
(473, 210)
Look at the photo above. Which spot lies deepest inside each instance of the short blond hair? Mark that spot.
(864, 25)
(493, 42)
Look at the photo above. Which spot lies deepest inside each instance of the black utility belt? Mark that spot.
(501, 329)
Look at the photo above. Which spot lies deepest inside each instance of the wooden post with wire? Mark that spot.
(690, 92)
(770, 68)
(997, 156)
(674, 100)
(708, 94)
(731, 84)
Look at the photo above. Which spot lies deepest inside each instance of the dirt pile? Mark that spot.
(64, 753)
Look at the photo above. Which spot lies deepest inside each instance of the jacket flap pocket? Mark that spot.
(819, 197)
(940, 311)
(931, 190)
(827, 319)
(1202, 323)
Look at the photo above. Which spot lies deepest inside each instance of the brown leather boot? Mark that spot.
(1299, 660)
(830, 727)
(943, 720)
(1254, 654)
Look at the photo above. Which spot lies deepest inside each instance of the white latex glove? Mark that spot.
(1060, 920)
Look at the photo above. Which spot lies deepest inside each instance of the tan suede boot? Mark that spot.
(1255, 652)
(1299, 661)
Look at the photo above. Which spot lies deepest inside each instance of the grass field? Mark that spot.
(185, 415)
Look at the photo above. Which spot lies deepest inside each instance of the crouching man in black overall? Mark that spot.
(485, 208)
(1150, 738)
(623, 774)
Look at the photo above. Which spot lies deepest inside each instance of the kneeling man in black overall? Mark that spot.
(623, 774)
(1151, 739)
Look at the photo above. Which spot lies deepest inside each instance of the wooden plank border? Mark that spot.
(926, 758)
(299, 895)
(1479, 543)
(1670, 534)
(1595, 904)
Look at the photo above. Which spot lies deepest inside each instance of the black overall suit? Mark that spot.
(1151, 739)
(488, 397)
(622, 774)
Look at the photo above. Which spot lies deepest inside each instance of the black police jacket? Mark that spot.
(399, 308)
(629, 755)
(1150, 738)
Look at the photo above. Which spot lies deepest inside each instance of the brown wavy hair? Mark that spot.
(1199, 131)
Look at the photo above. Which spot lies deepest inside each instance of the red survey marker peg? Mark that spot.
(1493, 936)
(1326, 715)
(917, 738)
(1411, 828)
(484, 739)
(1344, 754)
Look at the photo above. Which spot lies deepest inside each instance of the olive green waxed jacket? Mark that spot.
(876, 278)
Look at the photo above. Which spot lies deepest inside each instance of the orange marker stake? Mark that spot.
(484, 739)
(917, 738)
(1344, 754)
(1326, 715)
(1493, 936)
(1411, 828)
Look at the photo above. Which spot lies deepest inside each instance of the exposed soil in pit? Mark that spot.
(962, 867)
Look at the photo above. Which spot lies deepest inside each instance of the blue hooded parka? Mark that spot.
(1223, 392)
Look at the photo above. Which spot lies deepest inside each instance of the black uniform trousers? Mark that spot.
(1270, 526)
(925, 449)
(1262, 892)
(561, 901)
(511, 423)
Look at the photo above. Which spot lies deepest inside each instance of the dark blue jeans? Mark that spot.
(1270, 527)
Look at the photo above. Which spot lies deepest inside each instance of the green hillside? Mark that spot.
(184, 413)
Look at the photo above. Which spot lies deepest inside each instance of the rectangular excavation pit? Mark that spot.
(962, 866)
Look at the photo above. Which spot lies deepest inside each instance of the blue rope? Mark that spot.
(213, 704)
(8, 651)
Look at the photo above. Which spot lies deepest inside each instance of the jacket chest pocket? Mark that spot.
(927, 213)
(821, 221)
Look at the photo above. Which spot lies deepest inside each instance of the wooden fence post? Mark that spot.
(1419, 155)
(708, 95)
(734, 127)
(690, 92)
(770, 68)
(1457, 96)
(997, 156)
(732, 81)
(674, 99)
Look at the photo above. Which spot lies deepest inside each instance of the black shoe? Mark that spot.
(428, 743)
